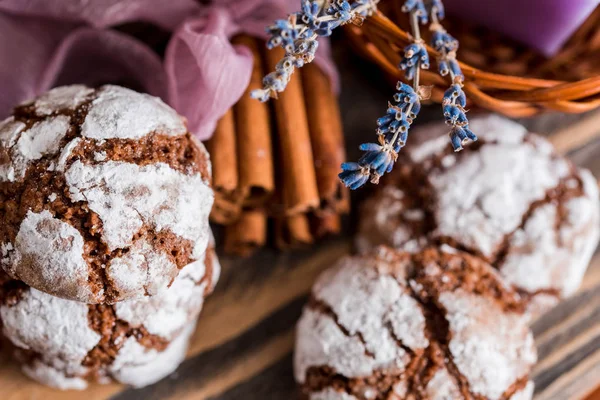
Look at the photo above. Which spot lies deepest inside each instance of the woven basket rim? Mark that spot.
(508, 94)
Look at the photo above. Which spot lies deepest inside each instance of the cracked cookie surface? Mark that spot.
(65, 343)
(104, 194)
(390, 325)
(508, 198)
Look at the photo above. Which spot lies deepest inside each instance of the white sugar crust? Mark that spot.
(134, 365)
(48, 255)
(54, 327)
(20, 147)
(442, 386)
(141, 271)
(380, 222)
(53, 377)
(65, 154)
(166, 313)
(491, 348)
(10, 131)
(485, 195)
(373, 308)
(119, 113)
(126, 196)
(43, 138)
(524, 394)
(541, 257)
(331, 394)
(61, 98)
(138, 366)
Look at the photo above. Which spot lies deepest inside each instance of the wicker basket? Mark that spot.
(500, 75)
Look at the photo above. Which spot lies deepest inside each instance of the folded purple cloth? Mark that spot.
(541, 24)
(51, 43)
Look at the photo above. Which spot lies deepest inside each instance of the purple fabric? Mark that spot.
(542, 24)
(44, 44)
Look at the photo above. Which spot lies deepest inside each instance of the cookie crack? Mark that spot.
(438, 327)
(559, 194)
(320, 306)
(113, 334)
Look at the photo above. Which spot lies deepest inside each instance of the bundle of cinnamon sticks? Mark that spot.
(275, 164)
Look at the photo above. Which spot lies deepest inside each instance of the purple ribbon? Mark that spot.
(44, 44)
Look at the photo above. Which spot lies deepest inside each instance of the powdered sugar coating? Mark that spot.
(524, 394)
(61, 98)
(53, 377)
(491, 348)
(134, 365)
(54, 327)
(572, 245)
(119, 113)
(127, 196)
(485, 195)
(381, 222)
(442, 386)
(374, 313)
(44, 137)
(320, 341)
(137, 366)
(23, 146)
(141, 271)
(331, 394)
(9, 133)
(47, 255)
(165, 314)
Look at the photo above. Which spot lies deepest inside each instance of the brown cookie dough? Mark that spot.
(64, 343)
(508, 198)
(433, 325)
(104, 194)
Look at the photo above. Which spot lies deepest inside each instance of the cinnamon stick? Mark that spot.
(247, 234)
(325, 127)
(300, 192)
(224, 211)
(253, 125)
(325, 224)
(293, 231)
(222, 148)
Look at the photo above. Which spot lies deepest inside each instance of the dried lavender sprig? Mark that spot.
(454, 100)
(298, 36)
(392, 128)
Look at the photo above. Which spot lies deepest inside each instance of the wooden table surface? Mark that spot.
(242, 348)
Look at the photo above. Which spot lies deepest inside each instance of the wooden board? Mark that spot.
(242, 348)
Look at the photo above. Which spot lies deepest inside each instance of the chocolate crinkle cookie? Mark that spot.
(507, 198)
(66, 344)
(433, 325)
(104, 194)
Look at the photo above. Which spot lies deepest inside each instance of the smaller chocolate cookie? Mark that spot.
(65, 344)
(508, 198)
(433, 325)
(104, 194)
